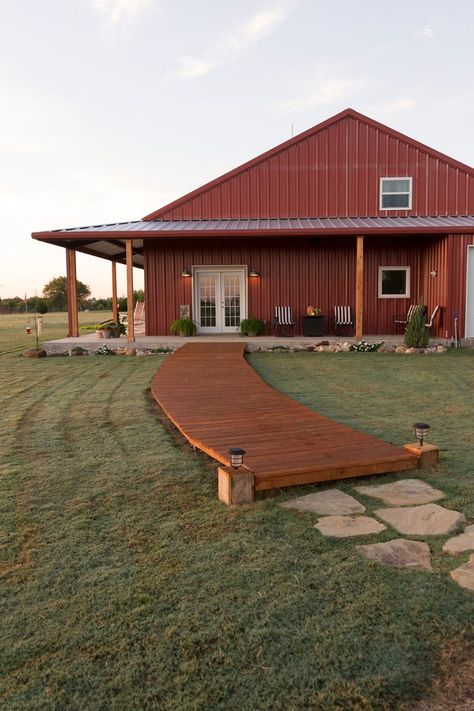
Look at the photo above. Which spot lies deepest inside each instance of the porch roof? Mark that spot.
(108, 240)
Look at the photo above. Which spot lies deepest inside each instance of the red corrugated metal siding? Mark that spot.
(448, 257)
(334, 172)
(379, 314)
(320, 272)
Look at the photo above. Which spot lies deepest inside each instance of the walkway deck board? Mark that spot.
(218, 401)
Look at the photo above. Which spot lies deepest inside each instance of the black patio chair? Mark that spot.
(283, 321)
(343, 319)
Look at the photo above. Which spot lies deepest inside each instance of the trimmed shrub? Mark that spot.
(416, 333)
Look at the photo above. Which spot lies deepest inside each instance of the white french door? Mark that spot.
(219, 299)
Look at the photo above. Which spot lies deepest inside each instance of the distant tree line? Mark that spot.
(54, 298)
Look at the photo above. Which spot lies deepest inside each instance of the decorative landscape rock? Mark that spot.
(34, 353)
(464, 575)
(427, 520)
(345, 526)
(402, 493)
(399, 553)
(461, 543)
(326, 503)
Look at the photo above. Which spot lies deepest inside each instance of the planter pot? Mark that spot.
(106, 334)
(99, 334)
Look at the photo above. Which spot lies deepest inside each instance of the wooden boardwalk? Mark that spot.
(218, 401)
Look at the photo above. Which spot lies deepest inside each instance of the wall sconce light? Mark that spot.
(254, 273)
(421, 430)
(186, 273)
(236, 457)
(434, 273)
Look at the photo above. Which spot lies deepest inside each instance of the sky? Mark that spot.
(110, 109)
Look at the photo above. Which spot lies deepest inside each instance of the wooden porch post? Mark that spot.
(130, 324)
(71, 290)
(114, 292)
(359, 296)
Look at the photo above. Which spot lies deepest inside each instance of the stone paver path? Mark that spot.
(413, 513)
(464, 575)
(399, 553)
(461, 543)
(345, 526)
(426, 520)
(403, 493)
(326, 503)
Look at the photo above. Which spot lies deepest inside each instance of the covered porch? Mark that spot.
(325, 262)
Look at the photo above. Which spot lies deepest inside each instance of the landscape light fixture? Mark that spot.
(254, 273)
(185, 273)
(236, 457)
(421, 430)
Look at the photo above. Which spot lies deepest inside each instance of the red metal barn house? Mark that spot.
(349, 212)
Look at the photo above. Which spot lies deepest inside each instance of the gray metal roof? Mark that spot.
(108, 241)
(317, 224)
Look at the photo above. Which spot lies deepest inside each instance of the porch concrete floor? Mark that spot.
(90, 342)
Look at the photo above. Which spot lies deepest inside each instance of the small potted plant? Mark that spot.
(183, 327)
(252, 327)
(106, 330)
(116, 328)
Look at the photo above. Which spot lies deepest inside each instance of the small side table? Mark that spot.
(313, 325)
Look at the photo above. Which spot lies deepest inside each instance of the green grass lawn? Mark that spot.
(125, 584)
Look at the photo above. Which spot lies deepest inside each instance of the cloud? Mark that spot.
(116, 11)
(391, 106)
(398, 105)
(325, 91)
(258, 25)
(192, 67)
(424, 33)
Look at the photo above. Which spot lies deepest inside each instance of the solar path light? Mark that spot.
(236, 457)
(421, 430)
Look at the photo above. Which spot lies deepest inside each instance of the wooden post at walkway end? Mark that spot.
(130, 324)
(235, 486)
(359, 288)
(71, 291)
(114, 292)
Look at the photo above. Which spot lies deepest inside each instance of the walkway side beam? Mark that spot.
(359, 281)
(129, 259)
(71, 292)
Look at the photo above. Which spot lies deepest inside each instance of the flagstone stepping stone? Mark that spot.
(403, 492)
(464, 575)
(426, 520)
(399, 553)
(461, 543)
(326, 503)
(345, 526)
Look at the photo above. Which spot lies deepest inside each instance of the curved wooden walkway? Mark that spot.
(218, 401)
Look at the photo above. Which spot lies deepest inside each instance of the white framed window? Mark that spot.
(394, 282)
(396, 193)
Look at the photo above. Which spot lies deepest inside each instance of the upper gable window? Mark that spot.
(395, 193)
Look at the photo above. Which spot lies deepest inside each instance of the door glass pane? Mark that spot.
(207, 300)
(231, 299)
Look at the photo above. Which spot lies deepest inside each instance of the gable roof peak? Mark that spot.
(345, 113)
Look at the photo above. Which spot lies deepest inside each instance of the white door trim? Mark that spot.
(469, 321)
(219, 269)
